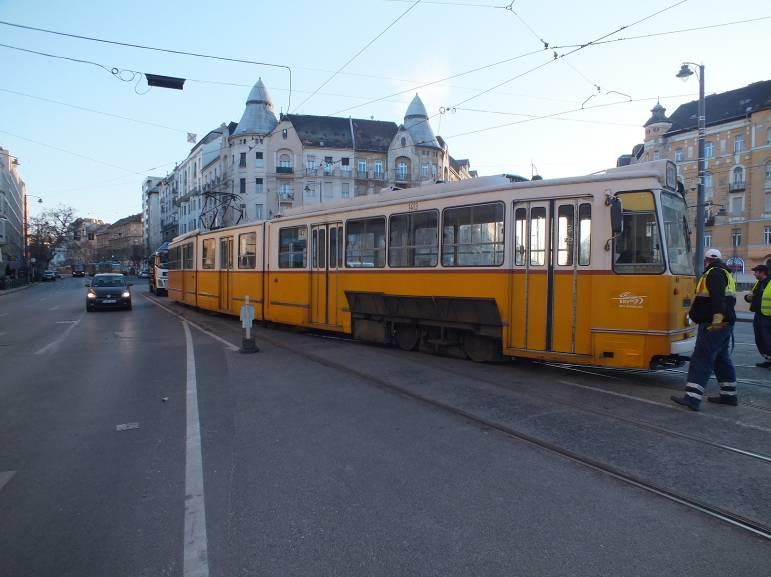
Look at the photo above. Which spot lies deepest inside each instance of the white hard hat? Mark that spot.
(713, 253)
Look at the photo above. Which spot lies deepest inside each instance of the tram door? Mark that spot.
(530, 323)
(545, 289)
(226, 271)
(326, 261)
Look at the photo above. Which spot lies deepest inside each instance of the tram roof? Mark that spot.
(655, 169)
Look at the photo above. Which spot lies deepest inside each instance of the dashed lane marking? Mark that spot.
(5, 476)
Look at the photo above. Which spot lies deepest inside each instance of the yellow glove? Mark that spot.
(717, 323)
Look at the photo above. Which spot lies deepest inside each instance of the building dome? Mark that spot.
(416, 123)
(658, 114)
(258, 117)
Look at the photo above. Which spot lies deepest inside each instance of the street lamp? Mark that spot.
(27, 251)
(688, 69)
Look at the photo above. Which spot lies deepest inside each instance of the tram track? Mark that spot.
(755, 527)
(752, 526)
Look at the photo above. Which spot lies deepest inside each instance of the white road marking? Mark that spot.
(53, 308)
(56, 342)
(228, 344)
(195, 554)
(126, 426)
(5, 476)
(66, 322)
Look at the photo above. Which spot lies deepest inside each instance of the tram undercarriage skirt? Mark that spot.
(372, 311)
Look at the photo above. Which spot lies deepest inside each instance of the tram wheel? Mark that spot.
(481, 349)
(407, 337)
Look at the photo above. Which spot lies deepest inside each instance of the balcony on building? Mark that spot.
(285, 170)
(736, 186)
(286, 196)
(311, 171)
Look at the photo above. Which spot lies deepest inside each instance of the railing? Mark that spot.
(285, 170)
(736, 186)
(286, 196)
(311, 171)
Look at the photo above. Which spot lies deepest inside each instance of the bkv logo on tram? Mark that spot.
(627, 300)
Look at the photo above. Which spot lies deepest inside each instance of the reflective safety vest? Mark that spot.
(765, 300)
(701, 287)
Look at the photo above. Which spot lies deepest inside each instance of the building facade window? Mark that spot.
(345, 190)
(242, 160)
(767, 235)
(678, 155)
(737, 176)
(707, 239)
(708, 150)
(258, 208)
(242, 185)
(258, 186)
(656, 155)
(707, 185)
(379, 168)
(401, 171)
(284, 162)
(736, 237)
(738, 143)
(362, 170)
(424, 170)
(737, 205)
(768, 170)
(327, 165)
(259, 161)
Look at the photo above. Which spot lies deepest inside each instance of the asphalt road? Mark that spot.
(313, 465)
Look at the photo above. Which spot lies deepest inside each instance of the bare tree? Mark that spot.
(47, 232)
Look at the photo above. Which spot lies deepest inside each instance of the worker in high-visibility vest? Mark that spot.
(713, 310)
(760, 304)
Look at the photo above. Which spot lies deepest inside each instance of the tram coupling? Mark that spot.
(668, 361)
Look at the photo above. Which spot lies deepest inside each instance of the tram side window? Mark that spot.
(413, 239)
(538, 236)
(247, 250)
(637, 250)
(365, 243)
(520, 236)
(565, 232)
(292, 247)
(584, 234)
(207, 254)
(174, 258)
(473, 235)
(187, 256)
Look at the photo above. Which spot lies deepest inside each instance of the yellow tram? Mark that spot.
(590, 270)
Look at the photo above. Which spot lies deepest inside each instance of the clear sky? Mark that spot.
(62, 119)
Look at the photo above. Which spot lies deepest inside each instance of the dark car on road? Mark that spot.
(108, 291)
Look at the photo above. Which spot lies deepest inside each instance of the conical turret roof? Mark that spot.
(258, 117)
(416, 123)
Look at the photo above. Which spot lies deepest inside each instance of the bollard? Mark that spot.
(247, 318)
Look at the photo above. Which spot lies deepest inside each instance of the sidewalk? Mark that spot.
(744, 317)
(17, 289)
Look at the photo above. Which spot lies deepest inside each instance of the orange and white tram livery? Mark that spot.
(592, 270)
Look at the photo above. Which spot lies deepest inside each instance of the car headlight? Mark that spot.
(91, 295)
(126, 294)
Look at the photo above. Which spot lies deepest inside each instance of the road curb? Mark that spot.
(15, 290)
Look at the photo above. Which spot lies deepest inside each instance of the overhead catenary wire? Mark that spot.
(352, 58)
(157, 49)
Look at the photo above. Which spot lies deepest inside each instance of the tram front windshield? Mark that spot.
(675, 214)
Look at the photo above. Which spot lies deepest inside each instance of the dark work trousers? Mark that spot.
(761, 324)
(711, 354)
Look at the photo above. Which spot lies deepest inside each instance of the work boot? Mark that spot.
(724, 400)
(686, 402)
